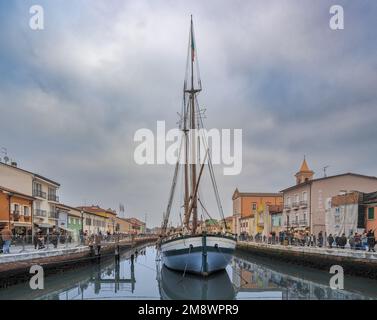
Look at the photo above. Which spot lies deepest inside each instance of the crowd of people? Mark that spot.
(41, 238)
(356, 241)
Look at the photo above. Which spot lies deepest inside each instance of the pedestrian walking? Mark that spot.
(330, 240)
(6, 236)
(371, 240)
(320, 239)
(343, 241)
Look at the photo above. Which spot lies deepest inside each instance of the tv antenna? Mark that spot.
(324, 171)
(5, 152)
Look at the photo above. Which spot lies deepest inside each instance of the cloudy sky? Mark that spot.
(73, 95)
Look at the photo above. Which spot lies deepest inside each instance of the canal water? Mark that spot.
(246, 277)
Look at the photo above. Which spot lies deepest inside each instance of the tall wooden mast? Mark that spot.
(193, 142)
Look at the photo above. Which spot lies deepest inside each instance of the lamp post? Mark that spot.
(82, 227)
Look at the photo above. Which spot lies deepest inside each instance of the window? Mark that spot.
(26, 211)
(254, 206)
(88, 221)
(371, 213)
(297, 198)
(305, 196)
(289, 200)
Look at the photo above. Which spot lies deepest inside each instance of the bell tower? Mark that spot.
(304, 174)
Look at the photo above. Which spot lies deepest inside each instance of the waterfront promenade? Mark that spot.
(15, 266)
(354, 262)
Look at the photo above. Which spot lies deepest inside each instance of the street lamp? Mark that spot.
(82, 226)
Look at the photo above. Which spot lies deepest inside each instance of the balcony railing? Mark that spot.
(303, 204)
(295, 205)
(303, 222)
(53, 197)
(16, 215)
(39, 194)
(287, 207)
(53, 215)
(40, 213)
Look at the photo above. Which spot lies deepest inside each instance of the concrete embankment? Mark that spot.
(354, 262)
(15, 268)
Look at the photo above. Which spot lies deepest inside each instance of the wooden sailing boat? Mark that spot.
(194, 250)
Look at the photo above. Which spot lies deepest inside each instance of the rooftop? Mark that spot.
(327, 178)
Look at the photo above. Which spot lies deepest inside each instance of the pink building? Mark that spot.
(306, 202)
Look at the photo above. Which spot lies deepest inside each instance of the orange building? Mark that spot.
(15, 211)
(248, 210)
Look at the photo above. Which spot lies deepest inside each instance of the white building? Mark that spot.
(44, 190)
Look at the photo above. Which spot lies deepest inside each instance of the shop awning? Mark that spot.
(45, 225)
(22, 224)
(66, 229)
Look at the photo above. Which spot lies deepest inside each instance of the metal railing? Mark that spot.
(39, 193)
(295, 205)
(303, 203)
(40, 213)
(53, 197)
(51, 241)
(53, 214)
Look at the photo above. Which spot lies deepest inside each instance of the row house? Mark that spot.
(43, 212)
(249, 211)
(370, 213)
(137, 226)
(107, 223)
(305, 203)
(15, 211)
(345, 214)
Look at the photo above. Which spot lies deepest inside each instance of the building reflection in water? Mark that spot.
(105, 279)
(257, 281)
(244, 279)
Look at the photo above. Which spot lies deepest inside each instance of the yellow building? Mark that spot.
(249, 208)
(108, 214)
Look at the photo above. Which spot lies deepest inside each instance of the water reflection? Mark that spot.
(140, 276)
(251, 278)
(174, 286)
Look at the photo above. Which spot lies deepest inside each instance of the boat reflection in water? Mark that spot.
(174, 285)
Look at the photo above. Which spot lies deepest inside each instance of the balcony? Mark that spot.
(53, 215)
(304, 204)
(53, 197)
(303, 222)
(40, 213)
(295, 205)
(39, 194)
(15, 215)
(287, 207)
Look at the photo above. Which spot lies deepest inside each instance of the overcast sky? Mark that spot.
(73, 95)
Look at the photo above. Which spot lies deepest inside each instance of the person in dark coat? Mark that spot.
(55, 238)
(343, 241)
(371, 240)
(330, 240)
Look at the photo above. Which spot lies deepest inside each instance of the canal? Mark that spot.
(246, 277)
